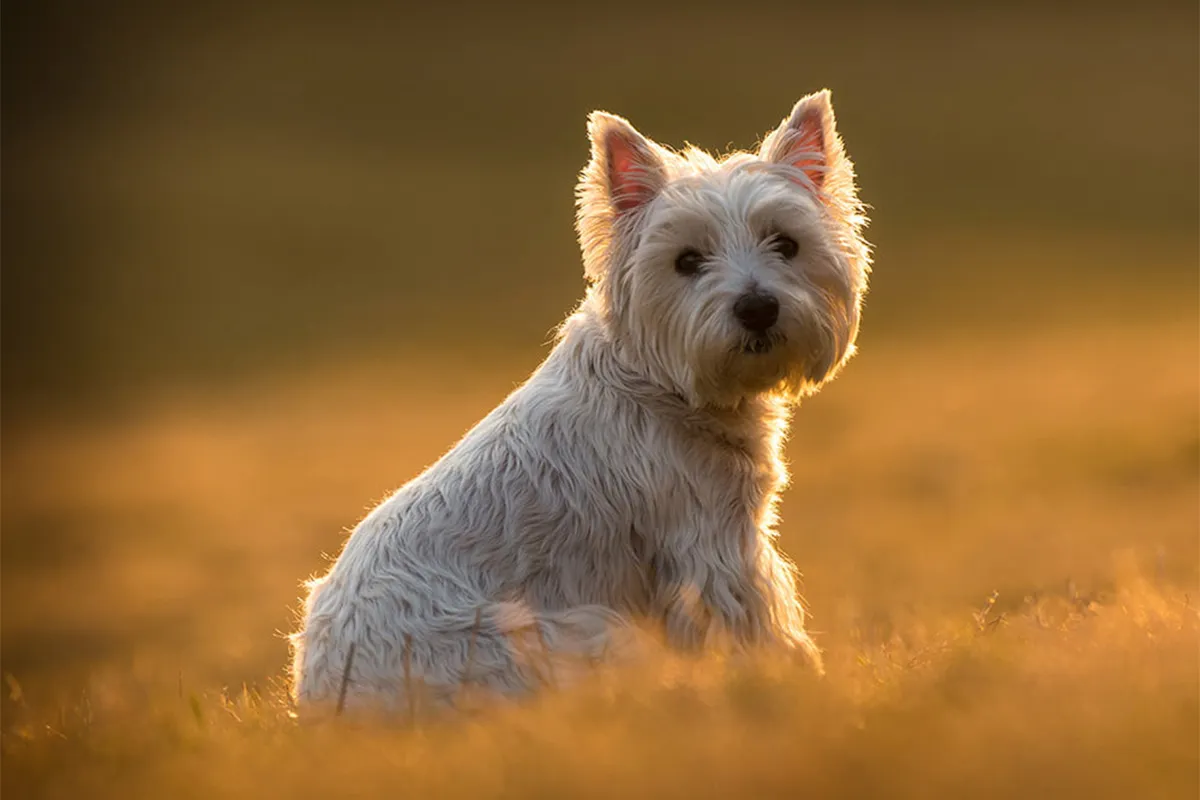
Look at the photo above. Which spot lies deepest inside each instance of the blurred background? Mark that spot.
(264, 261)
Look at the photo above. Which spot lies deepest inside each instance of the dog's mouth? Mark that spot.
(758, 346)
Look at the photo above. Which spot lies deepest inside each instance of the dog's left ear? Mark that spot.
(808, 141)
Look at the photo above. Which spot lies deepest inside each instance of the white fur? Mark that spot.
(634, 476)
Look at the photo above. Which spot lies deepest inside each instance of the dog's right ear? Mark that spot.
(624, 161)
(625, 173)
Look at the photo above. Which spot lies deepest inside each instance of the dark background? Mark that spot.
(198, 191)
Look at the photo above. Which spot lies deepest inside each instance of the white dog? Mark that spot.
(634, 476)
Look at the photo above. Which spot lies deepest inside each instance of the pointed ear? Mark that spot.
(807, 141)
(624, 163)
(625, 173)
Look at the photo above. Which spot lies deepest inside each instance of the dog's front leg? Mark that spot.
(748, 597)
(704, 595)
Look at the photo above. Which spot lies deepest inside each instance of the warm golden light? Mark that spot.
(264, 264)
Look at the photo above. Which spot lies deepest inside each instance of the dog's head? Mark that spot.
(732, 277)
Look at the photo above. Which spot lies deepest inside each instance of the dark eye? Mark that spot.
(689, 262)
(786, 246)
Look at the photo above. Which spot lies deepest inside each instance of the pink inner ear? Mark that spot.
(807, 150)
(626, 173)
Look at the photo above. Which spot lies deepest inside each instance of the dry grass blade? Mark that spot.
(408, 685)
(341, 703)
(552, 681)
(471, 647)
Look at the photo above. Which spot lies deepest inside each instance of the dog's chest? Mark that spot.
(712, 472)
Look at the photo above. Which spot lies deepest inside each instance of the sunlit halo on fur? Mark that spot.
(729, 210)
(721, 292)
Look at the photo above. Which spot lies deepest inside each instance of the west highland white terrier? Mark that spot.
(634, 477)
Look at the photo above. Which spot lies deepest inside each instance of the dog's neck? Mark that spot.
(753, 422)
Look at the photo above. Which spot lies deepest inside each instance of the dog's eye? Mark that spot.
(689, 262)
(786, 246)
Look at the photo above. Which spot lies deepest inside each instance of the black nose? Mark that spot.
(757, 311)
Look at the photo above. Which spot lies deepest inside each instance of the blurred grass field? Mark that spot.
(262, 265)
(162, 554)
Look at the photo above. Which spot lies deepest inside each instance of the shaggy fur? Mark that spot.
(634, 476)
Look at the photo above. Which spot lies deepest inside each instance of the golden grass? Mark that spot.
(152, 558)
(1063, 698)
